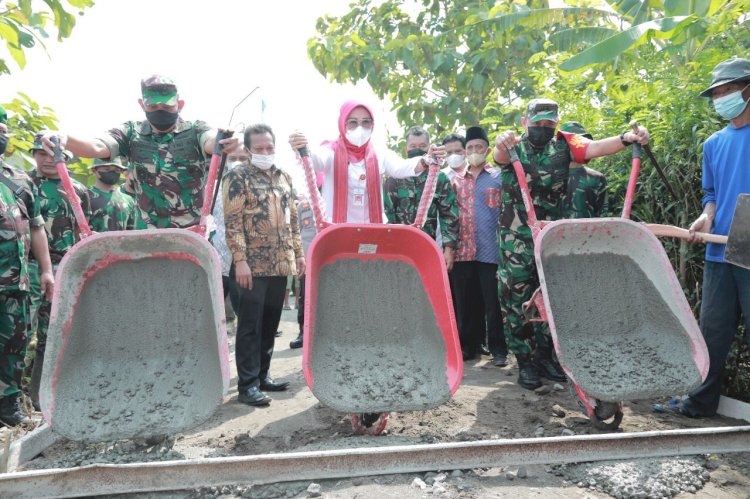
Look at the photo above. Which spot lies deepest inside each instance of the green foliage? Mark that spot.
(26, 23)
(22, 26)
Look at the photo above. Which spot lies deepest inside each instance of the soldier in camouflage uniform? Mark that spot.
(586, 196)
(62, 233)
(166, 156)
(402, 195)
(546, 161)
(110, 208)
(21, 231)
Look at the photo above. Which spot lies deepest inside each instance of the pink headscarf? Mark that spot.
(344, 152)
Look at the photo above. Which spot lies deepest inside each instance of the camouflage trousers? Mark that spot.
(518, 281)
(14, 328)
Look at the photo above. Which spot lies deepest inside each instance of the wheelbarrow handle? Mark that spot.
(659, 170)
(210, 189)
(525, 192)
(428, 193)
(70, 192)
(632, 181)
(317, 204)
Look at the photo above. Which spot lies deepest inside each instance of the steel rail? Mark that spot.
(271, 468)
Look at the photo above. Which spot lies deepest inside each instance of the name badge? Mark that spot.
(359, 196)
(287, 216)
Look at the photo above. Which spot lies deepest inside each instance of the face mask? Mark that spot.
(234, 164)
(455, 161)
(476, 159)
(263, 161)
(109, 178)
(731, 105)
(161, 119)
(3, 143)
(359, 136)
(416, 153)
(539, 135)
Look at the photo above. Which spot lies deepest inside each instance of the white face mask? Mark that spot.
(455, 161)
(234, 164)
(476, 159)
(359, 136)
(263, 161)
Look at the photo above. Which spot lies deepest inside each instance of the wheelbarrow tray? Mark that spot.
(620, 322)
(380, 332)
(137, 338)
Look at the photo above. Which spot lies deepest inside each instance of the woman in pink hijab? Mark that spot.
(353, 167)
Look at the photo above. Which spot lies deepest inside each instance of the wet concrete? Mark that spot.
(617, 334)
(142, 358)
(376, 345)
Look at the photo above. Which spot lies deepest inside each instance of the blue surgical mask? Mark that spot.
(731, 105)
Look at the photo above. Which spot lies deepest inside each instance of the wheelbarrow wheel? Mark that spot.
(605, 411)
(369, 423)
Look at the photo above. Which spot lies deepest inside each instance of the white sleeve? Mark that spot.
(395, 166)
(322, 159)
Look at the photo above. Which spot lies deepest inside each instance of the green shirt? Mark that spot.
(110, 210)
(168, 170)
(401, 201)
(587, 194)
(17, 217)
(59, 220)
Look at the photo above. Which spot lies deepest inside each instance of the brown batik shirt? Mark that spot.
(261, 220)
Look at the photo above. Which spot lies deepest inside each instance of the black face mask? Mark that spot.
(161, 119)
(3, 143)
(109, 178)
(539, 135)
(415, 153)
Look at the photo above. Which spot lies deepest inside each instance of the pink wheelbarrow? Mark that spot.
(620, 323)
(380, 332)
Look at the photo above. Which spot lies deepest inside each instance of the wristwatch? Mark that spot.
(622, 139)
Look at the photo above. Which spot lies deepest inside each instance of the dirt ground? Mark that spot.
(488, 404)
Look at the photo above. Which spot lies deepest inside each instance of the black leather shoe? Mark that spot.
(484, 350)
(528, 376)
(10, 411)
(550, 369)
(269, 385)
(296, 343)
(253, 396)
(278, 334)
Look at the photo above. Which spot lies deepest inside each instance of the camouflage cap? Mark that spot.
(542, 109)
(3, 115)
(114, 162)
(37, 146)
(575, 127)
(730, 71)
(158, 89)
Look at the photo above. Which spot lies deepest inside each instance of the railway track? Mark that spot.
(285, 467)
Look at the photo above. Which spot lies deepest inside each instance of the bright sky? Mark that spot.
(216, 51)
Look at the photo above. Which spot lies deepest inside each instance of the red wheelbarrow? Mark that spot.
(380, 331)
(137, 342)
(619, 320)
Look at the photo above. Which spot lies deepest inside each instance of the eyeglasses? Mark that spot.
(352, 123)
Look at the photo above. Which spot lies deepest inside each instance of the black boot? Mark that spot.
(548, 366)
(297, 342)
(11, 413)
(528, 376)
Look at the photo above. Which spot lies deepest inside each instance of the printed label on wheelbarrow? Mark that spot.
(367, 249)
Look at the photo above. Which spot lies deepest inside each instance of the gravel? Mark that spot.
(642, 478)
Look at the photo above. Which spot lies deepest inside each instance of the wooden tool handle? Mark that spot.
(661, 230)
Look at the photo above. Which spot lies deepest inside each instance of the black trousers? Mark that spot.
(258, 318)
(301, 304)
(475, 295)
